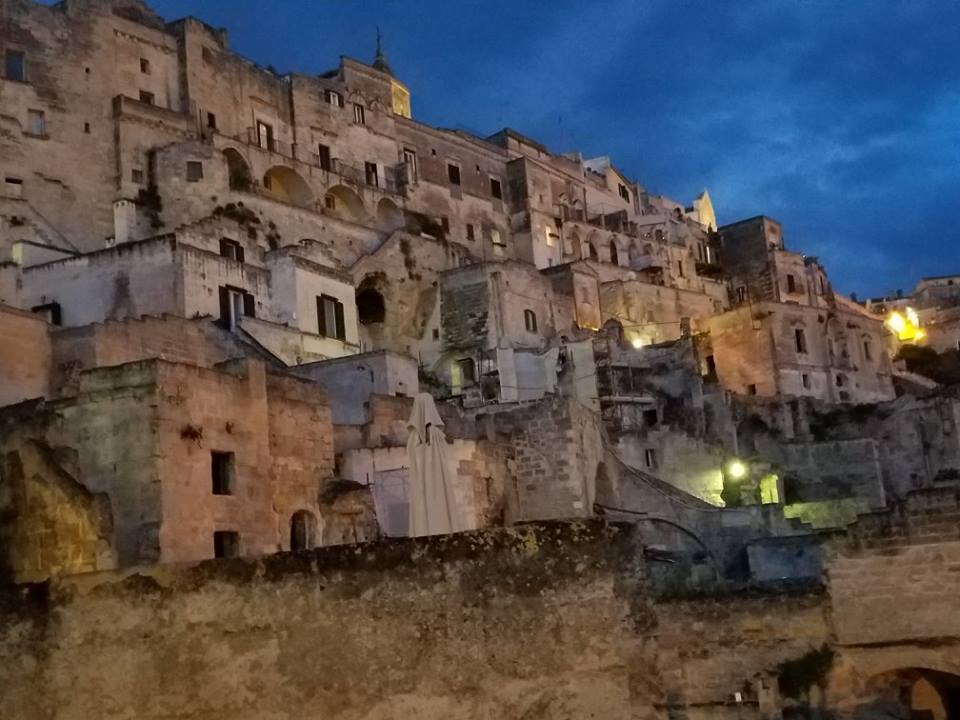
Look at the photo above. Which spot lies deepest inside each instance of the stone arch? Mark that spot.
(389, 215)
(238, 170)
(344, 203)
(303, 530)
(371, 307)
(916, 692)
(284, 184)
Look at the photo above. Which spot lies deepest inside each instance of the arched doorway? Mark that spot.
(371, 307)
(303, 530)
(238, 172)
(342, 202)
(916, 693)
(282, 183)
(389, 216)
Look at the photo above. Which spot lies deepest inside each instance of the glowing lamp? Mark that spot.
(736, 469)
(637, 343)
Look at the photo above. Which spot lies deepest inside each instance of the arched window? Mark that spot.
(530, 320)
(371, 307)
(303, 531)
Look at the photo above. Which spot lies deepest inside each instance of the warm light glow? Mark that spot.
(905, 325)
(736, 469)
(637, 342)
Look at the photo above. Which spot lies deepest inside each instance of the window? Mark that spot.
(650, 458)
(680, 267)
(86, 128)
(497, 241)
(805, 379)
(359, 114)
(711, 366)
(867, 350)
(235, 304)
(226, 544)
(333, 98)
(146, 97)
(37, 122)
(453, 174)
(330, 318)
(16, 66)
(329, 202)
(14, 187)
(650, 417)
(624, 192)
(194, 171)
(791, 284)
(323, 151)
(445, 223)
(841, 381)
(231, 249)
(211, 121)
(370, 169)
(265, 135)
(658, 235)
(144, 66)
(530, 320)
(471, 235)
(752, 389)
(136, 176)
(800, 339)
(222, 472)
(614, 257)
(267, 182)
(410, 160)
(436, 333)
(468, 371)
(496, 190)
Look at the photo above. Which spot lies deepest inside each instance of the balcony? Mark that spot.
(385, 179)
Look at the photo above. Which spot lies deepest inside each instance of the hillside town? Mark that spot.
(226, 293)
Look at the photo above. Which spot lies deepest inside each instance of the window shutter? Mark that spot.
(341, 328)
(249, 305)
(225, 306)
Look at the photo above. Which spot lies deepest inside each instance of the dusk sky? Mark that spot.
(838, 119)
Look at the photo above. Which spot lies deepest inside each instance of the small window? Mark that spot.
(445, 223)
(146, 97)
(530, 320)
(235, 304)
(194, 171)
(329, 202)
(144, 66)
(841, 380)
(867, 350)
(359, 114)
(211, 121)
(231, 249)
(800, 339)
(226, 544)
(468, 372)
(16, 66)
(680, 268)
(752, 389)
(805, 379)
(651, 418)
(330, 318)
(136, 176)
(436, 333)
(791, 284)
(741, 294)
(86, 128)
(323, 153)
(496, 190)
(265, 135)
(624, 192)
(333, 98)
(222, 469)
(370, 168)
(37, 122)
(453, 174)
(650, 458)
(470, 232)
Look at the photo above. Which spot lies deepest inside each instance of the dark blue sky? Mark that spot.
(840, 119)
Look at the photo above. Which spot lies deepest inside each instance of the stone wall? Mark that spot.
(24, 356)
(535, 622)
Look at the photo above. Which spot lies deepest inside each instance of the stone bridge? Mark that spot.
(552, 620)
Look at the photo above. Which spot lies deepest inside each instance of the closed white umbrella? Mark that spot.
(433, 504)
